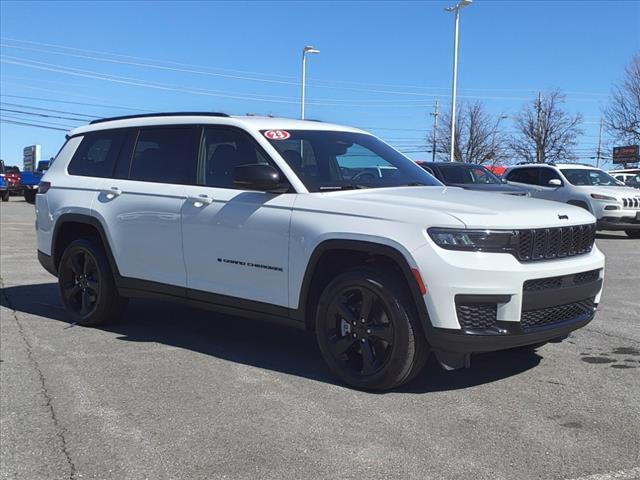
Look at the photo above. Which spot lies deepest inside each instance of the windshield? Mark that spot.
(325, 161)
(467, 174)
(589, 177)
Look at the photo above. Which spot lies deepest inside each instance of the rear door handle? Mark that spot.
(111, 192)
(200, 201)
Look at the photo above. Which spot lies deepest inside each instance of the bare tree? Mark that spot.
(478, 135)
(622, 115)
(545, 132)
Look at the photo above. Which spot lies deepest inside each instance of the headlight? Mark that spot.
(474, 240)
(597, 196)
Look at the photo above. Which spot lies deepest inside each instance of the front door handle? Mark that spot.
(200, 201)
(111, 192)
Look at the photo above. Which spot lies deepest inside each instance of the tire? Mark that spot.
(87, 287)
(633, 233)
(379, 348)
(30, 196)
(5, 196)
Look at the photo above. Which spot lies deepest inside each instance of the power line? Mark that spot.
(43, 122)
(190, 68)
(35, 114)
(68, 102)
(2, 120)
(182, 89)
(47, 109)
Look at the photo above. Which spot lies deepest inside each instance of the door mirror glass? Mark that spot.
(555, 182)
(258, 176)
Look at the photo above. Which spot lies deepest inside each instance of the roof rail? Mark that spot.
(163, 114)
(536, 163)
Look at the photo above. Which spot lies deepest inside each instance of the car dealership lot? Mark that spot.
(173, 392)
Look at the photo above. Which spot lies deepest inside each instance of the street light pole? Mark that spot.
(456, 10)
(305, 50)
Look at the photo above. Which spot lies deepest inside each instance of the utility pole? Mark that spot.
(599, 152)
(538, 129)
(435, 129)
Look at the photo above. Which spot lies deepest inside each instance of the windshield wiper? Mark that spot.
(343, 187)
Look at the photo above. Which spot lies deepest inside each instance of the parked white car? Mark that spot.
(616, 206)
(282, 219)
(629, 176)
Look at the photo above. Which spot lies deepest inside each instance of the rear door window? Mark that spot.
(97, 153)
(166, 155)
(524, 175)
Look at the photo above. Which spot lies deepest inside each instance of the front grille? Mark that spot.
(549, 243)
(558, 282)
(542, 284)
(631, 202)
(561, 313)
(586, 277)
(476, 315)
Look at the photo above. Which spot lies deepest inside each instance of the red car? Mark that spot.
(11, 179)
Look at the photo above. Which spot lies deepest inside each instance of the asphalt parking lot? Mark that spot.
(176, 393)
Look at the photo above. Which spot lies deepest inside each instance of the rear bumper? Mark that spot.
(47, 263)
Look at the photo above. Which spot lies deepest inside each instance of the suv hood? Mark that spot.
(429, 205)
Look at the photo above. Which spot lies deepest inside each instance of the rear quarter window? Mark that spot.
(97, 153)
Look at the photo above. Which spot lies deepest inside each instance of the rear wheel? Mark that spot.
(368, 330)
(633, 233)
(88, 290)
(30, 196)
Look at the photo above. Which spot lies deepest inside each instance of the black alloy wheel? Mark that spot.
(368, 329)
(360, 333)
(86, 283)
(79, 282)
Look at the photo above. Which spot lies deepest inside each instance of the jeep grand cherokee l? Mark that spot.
(284, 220)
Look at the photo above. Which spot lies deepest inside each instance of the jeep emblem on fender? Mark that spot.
(563, 217)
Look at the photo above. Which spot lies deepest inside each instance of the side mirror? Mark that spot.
(258, 176)
(555, 182)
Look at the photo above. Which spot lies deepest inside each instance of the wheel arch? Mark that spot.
(76, 225)
(353, 252)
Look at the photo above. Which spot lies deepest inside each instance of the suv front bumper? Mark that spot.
(510, 336)
(631, 221)
(508, 303)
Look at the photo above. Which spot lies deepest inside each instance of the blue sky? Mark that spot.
(382, 64)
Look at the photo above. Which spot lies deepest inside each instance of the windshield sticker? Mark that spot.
(277, 134)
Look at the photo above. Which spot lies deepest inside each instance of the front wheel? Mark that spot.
(633, 233)
(368, 330)
(87, 287)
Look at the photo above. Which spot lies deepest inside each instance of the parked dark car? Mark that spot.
(470, 176)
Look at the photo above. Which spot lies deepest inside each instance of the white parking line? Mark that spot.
(632, 474)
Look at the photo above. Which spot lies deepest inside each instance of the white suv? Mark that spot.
(616, 206)
(283, 220)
